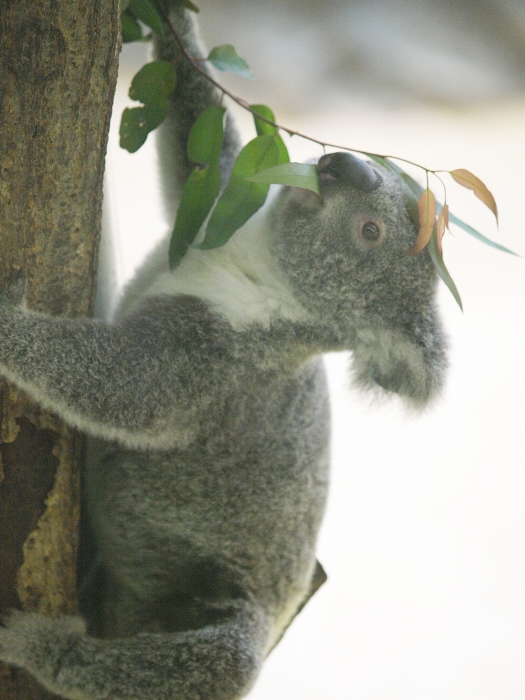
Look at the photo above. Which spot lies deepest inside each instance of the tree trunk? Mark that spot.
(58, 67)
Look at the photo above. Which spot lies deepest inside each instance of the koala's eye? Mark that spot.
(370, 232)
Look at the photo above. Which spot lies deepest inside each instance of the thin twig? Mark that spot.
(242, 103)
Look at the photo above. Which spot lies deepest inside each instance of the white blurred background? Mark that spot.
(424, 537)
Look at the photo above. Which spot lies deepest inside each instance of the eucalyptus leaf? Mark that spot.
(205, 138)
(378, 159)
(136, 123)
(241, 198)
(151, 85)
(262, 127)
(427, 221)
(467, 179)
(417, 190)
(154, 82)
(225, 58)
(472, 231)
(284, 156)
(413, 186)
(190, 5)
(147, 13)
(437, 259)
(131, 30)
(441, 227)
(203, 185)
(292, 174)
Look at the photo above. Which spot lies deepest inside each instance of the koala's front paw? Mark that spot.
(12, 637)
(37, 643)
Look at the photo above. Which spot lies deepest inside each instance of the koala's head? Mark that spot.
(345, 254)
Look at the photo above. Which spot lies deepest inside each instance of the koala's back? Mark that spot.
(235, 513)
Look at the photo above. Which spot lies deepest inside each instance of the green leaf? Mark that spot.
(204, 144)
(131, 30)
(441, 269)
(292, 174)
(412, 185)
(124, 6)
(379, 159)
(225, 58)
(147, 13)
(154, 82)
(136, 123)
(241, 199)
(476, 234)
(263, 127)
(203, 185)
(191, 6)
(283, 151)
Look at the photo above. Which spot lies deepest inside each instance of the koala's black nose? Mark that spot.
(348, 170)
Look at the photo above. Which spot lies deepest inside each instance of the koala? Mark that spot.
(206, 408)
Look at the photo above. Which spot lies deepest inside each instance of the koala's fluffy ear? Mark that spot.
(410, 365)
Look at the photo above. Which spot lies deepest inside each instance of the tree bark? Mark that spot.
(58, 67)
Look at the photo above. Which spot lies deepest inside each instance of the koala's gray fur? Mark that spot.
(208, 413)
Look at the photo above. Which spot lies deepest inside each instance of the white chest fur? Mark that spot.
(241, 281)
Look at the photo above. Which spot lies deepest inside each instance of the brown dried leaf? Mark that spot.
(444, 211)
(427, 219)
(466, 179)
(442, 224)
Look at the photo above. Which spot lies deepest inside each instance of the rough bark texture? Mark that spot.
(58, 64)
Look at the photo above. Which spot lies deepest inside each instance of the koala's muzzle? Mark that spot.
(346, 169)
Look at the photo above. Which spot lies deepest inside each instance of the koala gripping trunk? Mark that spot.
(58, 64)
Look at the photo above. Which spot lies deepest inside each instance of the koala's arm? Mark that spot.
(192, 95)
(218, 662)
(141, 381)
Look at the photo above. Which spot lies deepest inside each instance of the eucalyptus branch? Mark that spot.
(244, 104)
(138, 122)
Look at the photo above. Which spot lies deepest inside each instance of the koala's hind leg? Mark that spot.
(216, 662)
